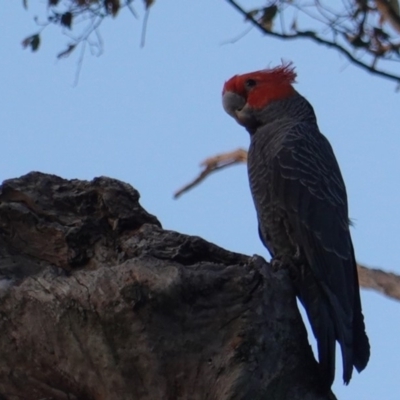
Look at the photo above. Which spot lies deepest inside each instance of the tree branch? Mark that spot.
(381, 281)
(213, 164)
(314, 37)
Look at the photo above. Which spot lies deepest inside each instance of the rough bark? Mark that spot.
(99, 302)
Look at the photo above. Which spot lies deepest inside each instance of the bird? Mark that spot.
(302, 210)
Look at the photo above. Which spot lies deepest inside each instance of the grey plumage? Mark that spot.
(302, 210)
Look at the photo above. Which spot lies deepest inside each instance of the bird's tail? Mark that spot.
(360, 338)
(327, 325)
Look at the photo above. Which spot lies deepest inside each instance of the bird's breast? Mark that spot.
(273, 220)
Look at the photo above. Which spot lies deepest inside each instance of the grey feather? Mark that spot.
(301, 203)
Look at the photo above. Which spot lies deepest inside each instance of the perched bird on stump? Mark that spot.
(302, 211)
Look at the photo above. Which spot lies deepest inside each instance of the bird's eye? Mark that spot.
(250, 83)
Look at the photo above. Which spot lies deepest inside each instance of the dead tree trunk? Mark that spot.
(99, 302)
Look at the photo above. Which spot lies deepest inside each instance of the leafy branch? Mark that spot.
(80, 21)
(367, 33)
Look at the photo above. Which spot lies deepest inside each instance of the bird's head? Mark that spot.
(243, 95)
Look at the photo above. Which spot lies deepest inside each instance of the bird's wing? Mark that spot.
(309, 187)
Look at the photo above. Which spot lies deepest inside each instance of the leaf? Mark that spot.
(67, 51)
(361, 7)
(112, 6)
(26, 42)
(53, 2)
(32, 41)
(267, 18)
(35, 42)
(381, 34)
(357, 41)
(148, 3)
(66, 19)
(251, 14)
(25, 4)
(395, 6)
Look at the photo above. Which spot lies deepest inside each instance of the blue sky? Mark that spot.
(149, 115)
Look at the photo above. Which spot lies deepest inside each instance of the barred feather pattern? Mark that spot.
(302, 210)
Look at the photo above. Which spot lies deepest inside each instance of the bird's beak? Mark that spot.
(233, 103)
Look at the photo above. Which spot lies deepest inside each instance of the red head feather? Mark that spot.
(259, 88)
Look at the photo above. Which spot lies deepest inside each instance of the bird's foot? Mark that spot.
(281, 262)
(276, 264)
(288, 264)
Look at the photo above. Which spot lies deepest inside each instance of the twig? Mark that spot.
(213, 164)
(237, 38)
(79, 65)
(144, 28)
(381, 281)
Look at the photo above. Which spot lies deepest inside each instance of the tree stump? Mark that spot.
(98, 302)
